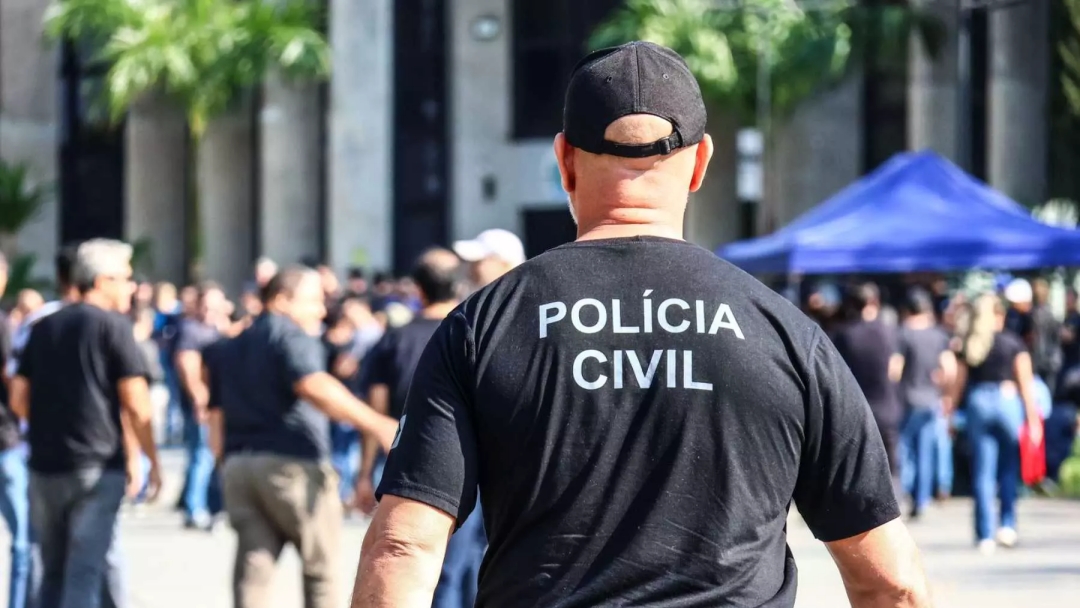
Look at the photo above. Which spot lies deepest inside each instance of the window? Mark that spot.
(549, 38)
(884, 97)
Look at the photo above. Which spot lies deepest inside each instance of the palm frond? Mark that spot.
(21, 200)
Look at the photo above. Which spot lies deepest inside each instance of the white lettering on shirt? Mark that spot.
(662, 319)
(624, 321)
(579, 376)
(547, 319)
(724, 319)
(616, 320)
(688, 374)
(601, 313)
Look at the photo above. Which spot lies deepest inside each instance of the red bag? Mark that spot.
(1032, 457)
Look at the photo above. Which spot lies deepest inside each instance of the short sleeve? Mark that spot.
(186, 338)
(434, 458)
(125, 358)
(844, 487)
(302, 355)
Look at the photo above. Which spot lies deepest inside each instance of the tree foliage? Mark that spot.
(199, 53)
(21, 200)
(802, 50)
(1069, 51)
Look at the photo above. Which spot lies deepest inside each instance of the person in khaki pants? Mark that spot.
(271, 399)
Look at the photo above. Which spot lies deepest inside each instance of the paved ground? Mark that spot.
(170, 568)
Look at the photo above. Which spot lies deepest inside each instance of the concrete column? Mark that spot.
(481, 98)
(812, 154)
(226, 159)
(156, 185)
(932, 88)
(1019, 79)
(712, 217)
(360, 205)
(28, 116)
(290, 170)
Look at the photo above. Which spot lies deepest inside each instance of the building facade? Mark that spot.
(437, 124)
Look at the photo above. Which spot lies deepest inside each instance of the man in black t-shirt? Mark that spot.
(870, 349)
(638, 414)
(388, 374)
(81, 383)
(270, 399)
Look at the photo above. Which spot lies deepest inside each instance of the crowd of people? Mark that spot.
(285, 402)
(984, 370)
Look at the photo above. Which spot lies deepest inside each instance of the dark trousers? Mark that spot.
(74, 518)
(461, 566)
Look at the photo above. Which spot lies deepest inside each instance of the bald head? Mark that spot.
(436, 274)
(612, 190)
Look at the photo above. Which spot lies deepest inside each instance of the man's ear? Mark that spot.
(564, 154)
(701, 164)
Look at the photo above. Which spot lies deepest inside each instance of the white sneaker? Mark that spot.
(1007, 537)
(987, 546)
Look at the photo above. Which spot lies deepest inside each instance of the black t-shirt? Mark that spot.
(867, 347)
(1000, 362)
(638, 415)
(73, 361)
(252, 378)
(921, 349)
(393, 360)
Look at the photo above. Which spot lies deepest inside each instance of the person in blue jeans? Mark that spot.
(943, 455)
(928, 366)
(15, 509)
(195, 334)
(997, 373)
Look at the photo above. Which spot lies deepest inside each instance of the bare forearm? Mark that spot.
(330, 396)
(389, 578)
(882, 569)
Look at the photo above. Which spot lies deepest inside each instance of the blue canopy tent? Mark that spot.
(918, 212)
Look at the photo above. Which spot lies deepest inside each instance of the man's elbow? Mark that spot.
(390, 556)
(905, 586)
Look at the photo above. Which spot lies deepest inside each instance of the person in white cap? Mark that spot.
(1018, 319)
(490, 255)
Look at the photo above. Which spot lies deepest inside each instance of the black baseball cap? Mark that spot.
(635, 78)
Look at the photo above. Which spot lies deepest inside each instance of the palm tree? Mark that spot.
(21, 200)
(801, 50)
(201, 55)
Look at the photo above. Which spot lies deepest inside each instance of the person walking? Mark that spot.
(929, 369)
(270, 400)
(14, 477)
(997, 377)
(389, 373)
(82, 385)
(620, 401)
(869, 347)
(193, 336)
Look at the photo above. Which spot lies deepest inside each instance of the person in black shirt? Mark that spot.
(270, 401)
(81, 383)
(638, 414)
(996, 375)
(870, 349)
(338, 341)
(388, 374)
